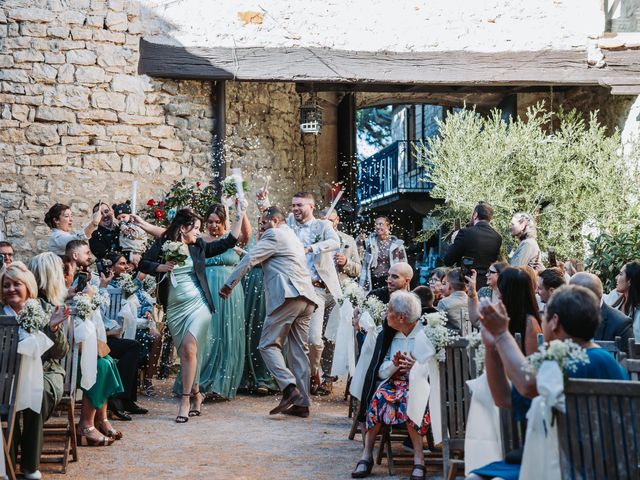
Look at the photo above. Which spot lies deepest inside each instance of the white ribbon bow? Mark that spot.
(31, 381)
(344, 355)
(366, 355)
(85, 332)
(541, 456)
(129, 315)
(424, 385)
(482, 440)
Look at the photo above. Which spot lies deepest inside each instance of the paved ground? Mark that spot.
(232, 440)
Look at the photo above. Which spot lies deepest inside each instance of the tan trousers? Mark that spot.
(290, 323)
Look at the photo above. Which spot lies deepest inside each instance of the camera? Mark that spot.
(553, 261)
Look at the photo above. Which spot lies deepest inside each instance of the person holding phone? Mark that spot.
(478, 241)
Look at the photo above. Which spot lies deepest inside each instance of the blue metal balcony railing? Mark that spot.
(391, 171)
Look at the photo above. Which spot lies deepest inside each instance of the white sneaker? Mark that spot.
(32, 475)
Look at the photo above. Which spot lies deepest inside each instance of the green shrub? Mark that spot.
(609, 252)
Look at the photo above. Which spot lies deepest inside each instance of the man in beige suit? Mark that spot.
(290, 302)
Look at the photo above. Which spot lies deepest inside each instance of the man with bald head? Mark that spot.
(398, 278)
(613, 323)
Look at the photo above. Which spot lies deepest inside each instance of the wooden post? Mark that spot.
(347, 145)
(218, 163)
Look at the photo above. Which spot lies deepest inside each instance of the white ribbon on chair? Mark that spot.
(541, 456)
(482, 440)
(31, 380)
(424, 385)
(3, 468)
(366, 354)
(85, 332)
(129, 315)
(344, 354)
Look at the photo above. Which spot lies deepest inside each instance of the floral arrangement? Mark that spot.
(84, 306)
(99, 300)
(376, 309)
(437, 332)
(475, 344)
(32, 317)
(229, 187)
(353, 292)
(149, 284)
(175, 252)
(127, 285)
(568, 354)
(182, 194)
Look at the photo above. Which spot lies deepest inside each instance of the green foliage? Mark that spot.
(182, 194)
(609, 252)
(573, 182)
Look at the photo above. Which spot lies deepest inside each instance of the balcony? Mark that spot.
(392, 177)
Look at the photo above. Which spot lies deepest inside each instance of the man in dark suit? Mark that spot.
(613, 323)
(479, 241)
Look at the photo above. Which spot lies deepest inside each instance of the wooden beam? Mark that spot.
(459, 68)
(404, 88)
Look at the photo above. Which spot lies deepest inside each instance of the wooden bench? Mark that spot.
(600, 432)
(9, 374)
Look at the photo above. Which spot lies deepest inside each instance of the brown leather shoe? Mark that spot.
(289, 397)
(297, 411)
(315, 384)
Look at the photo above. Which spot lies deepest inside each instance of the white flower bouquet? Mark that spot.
(352, 292)
(175, 251)
(32, 317)
(149, 284)
(437, 332)
(229, 187)
(127, 284)
(568, 354)
(99, 300)
(84, 306)
(376, 309)
(475, 343)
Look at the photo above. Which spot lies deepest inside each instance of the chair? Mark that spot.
(63, 431)
(455, 399)
(115, 303)
(9, 374)
(600, 431)
(632, 366)
(634, 349)
(611, 346)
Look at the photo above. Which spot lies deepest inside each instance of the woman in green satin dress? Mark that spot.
(185, 294)
(223, 353)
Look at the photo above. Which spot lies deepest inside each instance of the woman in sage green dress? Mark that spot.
(185, 294)
(223, 352)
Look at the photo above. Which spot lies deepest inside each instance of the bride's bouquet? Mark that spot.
(32, 317)
(230, 188)
(438, 334)
(566, 353)
(175, 252)
(127, 284)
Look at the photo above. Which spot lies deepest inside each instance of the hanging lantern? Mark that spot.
(311, 116)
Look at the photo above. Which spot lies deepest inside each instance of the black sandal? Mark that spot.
(417, 466)
(182, 418)
(194, 412)
(362, 473)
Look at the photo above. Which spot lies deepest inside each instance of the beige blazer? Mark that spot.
(284, 267)
(351, 269)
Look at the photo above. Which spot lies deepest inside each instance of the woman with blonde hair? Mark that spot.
(18, 285)
(48, 270)
(527, 253)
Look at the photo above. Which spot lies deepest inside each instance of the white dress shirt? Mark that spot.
(305, 235)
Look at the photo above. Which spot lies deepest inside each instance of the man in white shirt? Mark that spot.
(320, 240)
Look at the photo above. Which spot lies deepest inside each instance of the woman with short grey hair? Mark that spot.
(386, 386)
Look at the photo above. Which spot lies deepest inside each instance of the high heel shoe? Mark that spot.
(84, 440)
(109, 432)
(182, 418)
(193, 412)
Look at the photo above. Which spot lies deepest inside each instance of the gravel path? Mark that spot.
(232, 440)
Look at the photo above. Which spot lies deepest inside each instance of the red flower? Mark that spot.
(151, 202)
(161, 204)
(198, 184)
(159, 214)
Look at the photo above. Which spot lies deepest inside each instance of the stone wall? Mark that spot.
(78, 124)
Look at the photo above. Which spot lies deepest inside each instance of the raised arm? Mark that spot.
(151, 229)
(93, 225)
(472, 294)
